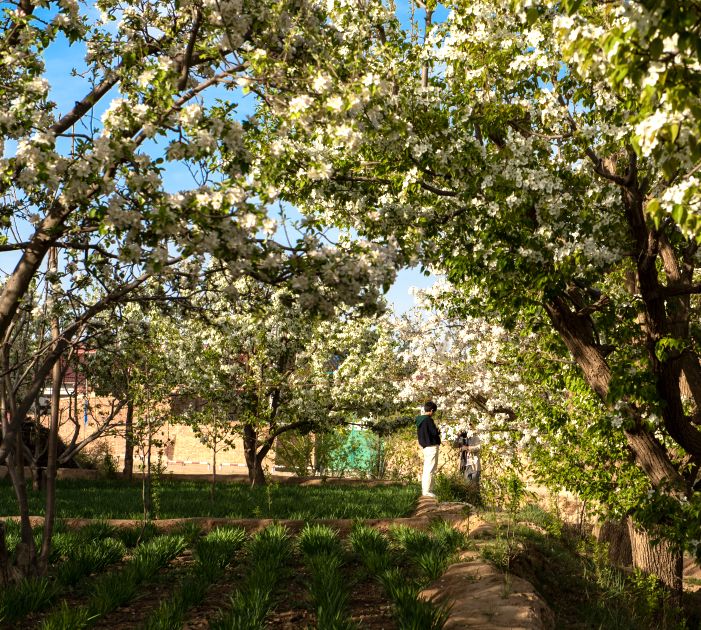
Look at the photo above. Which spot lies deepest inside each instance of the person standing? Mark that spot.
(470, 464)
(429, 440)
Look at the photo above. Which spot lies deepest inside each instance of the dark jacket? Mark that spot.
(427, 431)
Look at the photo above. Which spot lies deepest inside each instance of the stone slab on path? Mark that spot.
(482, 597)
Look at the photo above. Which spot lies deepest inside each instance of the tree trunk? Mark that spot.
(52, 449)
(25, 553)
(253, 459)
(662, 559)
(315, 454)
(37, 476)
(146, 492)
(615, 534)
(214, 469)
(257, 475)
(129, 442)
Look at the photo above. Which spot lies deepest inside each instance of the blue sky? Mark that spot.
(399, 297)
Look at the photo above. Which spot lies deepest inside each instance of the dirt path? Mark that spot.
(482, 597)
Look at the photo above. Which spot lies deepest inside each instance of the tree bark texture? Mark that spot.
(662, 559)
(254, 460)
(52, 450)
(615, 534)
(578, 334)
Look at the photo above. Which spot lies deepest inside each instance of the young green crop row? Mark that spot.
(402, 562)
(117, 498)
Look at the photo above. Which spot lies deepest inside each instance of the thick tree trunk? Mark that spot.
(662, 559)
(129, 442)
(577, 333)
(615, 534)
(254, 460)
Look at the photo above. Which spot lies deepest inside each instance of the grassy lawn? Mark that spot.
(116, 498)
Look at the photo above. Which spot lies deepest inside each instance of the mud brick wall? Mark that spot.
(181, 450)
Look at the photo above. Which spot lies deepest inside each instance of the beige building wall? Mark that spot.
(181, 451)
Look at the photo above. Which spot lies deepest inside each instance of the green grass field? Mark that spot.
(116, 498)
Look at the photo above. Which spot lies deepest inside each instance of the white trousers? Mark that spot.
(430, 465)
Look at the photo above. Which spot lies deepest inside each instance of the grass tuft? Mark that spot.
(268, 553)
(26, 596)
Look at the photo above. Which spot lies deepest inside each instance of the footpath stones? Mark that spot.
(482, 597)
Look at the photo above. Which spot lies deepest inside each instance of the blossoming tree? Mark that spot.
(481, 149)
(648, 52)
(263, 363)
(155, 87)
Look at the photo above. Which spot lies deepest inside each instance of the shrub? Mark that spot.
(99, 457)
(457, 488)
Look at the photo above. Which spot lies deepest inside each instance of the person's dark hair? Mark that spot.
(429, 406)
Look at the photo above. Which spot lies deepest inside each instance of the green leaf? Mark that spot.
(679, 213)
(674, 131)
(653, 209)
(572, 6)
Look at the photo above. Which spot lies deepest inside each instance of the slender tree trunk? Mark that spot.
(662, 559)
(8, 573)
(25, 553)
(35, 469)
(52, 449)
(129, 442)
(146, 484)
(214, 469)
(316, 455)
(37, 477)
